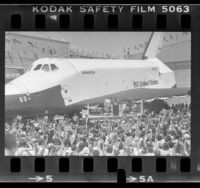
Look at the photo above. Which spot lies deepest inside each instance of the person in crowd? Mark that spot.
(107, 105)
(10, 144)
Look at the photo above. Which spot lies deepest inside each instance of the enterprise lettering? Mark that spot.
(88, 72)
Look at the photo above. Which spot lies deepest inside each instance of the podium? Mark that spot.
(115, 109)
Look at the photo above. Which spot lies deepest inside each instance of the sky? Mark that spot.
(104, 42)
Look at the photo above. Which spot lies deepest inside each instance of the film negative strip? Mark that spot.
(99, 93)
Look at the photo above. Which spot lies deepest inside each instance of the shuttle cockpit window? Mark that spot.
(37, 67)
(46, 68)
(54, 67)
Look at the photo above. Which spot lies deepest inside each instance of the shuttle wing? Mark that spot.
(141, 94)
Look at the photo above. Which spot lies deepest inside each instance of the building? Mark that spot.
(23, 50)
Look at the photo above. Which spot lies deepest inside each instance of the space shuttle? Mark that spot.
(65, 85)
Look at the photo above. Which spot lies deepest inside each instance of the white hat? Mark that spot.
(90, 135)
(68, 151)
(187, 136)
(95, 148)
(36, 124)
(85, 151)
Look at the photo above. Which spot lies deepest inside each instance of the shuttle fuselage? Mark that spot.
(65, 85)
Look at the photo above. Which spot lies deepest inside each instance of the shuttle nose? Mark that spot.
(13, 89)
(13, 94)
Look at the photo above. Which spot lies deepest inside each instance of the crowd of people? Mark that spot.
(167, 133)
